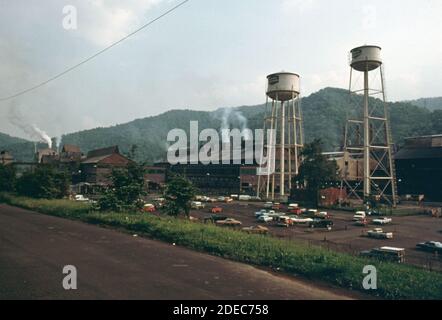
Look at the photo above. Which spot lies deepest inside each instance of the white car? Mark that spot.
(382, 221)
(245, 198)
(268, 205)
(378, 233)
(322, 215)
(263, 212)
(265, 218)
(297, 220)
(197, 205)
(80, 197)
(359, 215)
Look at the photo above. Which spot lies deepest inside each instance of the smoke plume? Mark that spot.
(31, 130)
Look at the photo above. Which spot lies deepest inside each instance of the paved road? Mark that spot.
(113, 265)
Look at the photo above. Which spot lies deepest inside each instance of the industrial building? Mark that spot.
(232, 178)
(419, 167)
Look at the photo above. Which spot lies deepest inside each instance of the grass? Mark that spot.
(394, 281)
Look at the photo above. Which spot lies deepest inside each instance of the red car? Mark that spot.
(296, 211)
(149, 208)
(217, 210)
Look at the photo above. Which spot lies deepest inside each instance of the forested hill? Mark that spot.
(324, 114)
(429, 103)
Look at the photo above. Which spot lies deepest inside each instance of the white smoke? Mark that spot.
(227, 117)
(31, 130)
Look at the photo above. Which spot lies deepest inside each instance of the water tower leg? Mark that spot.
(367, 138)
(282, 146)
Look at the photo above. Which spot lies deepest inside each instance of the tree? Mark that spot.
(316, 171)
(43, 182)
(178, 194)
(126, 191)
(7, 178)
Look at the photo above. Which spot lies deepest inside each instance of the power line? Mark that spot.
(55, 77)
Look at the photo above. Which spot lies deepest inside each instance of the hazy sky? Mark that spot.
(207, 54)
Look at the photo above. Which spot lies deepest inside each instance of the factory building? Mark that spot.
(419, 167)
(6, 158)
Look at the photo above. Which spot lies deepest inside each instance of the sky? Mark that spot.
(206, 55)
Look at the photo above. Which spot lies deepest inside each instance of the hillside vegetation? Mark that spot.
(324, 113)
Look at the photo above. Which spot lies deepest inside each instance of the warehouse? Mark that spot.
(419, 167)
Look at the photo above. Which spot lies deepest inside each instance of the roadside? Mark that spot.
(311, 262)
(112, 265)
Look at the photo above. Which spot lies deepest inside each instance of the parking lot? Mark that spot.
(345, 235)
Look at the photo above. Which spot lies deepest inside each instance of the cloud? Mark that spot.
(105, 21)
(298, 6)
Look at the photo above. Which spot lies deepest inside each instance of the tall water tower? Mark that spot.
(368, 143)
(285, 118)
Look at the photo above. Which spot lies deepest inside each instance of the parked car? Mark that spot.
(374, 212)
(322, 215)
(245, 198)
(221, 199)
(229, 222)
(265, 218)
(378, 233)
(197, 205)
(214, 218)
(234, 196)
(216, 210)
(276, 206)
(268, 205)
(295, 210)
(362, 223)
(359, 215)
(431, 246)
(284, 221)
(212, 200)
(386, 254)
(320, 223)
(260, 213)
(256, 230)
(148, 207)
(382, 221)
(81, 198)
(297, 220)
(205, 198)
(228, 200)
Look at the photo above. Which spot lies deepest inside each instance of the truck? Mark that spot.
(359, 215)
(378, 233)
(391, 254)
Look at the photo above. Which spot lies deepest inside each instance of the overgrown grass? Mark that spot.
(394, 281)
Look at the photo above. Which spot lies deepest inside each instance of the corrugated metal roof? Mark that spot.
(419, 153)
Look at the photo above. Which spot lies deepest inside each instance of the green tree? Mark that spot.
(7, 178)
(126, 191)
(178, 194)
(43, 182)
(316, 171)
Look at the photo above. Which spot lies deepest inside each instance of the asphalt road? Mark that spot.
(34, 248)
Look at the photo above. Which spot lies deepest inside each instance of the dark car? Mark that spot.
(431, 246)
(321, 223)
(214, 218)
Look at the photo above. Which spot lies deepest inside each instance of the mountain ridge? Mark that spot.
(324, 111)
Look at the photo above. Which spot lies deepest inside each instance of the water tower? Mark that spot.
(285, 119)
(368, 143)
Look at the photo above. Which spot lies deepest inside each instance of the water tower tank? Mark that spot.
(366, 58)
(283, 86)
